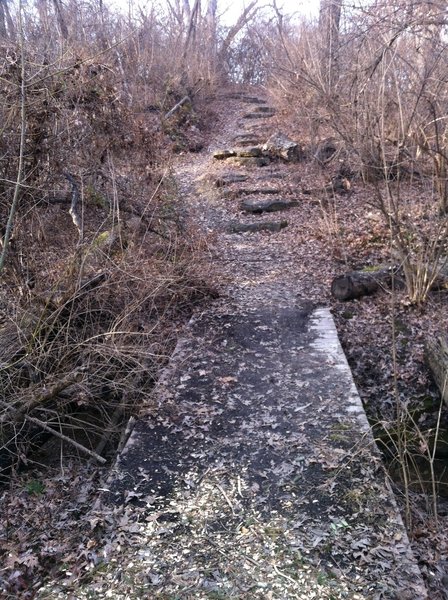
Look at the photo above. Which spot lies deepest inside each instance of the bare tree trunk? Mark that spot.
(7, 28)
(9, 21)
(329, 23)
(60, 17)
(190, 39)
(2, 19)
(247, 14)
(212, 26)
(187, 10)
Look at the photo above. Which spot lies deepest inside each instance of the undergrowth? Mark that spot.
(99, 264)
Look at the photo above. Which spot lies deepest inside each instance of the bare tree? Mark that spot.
(329, 24)
(60, 17)
(212, 23)
(7, 28)
(248, 13)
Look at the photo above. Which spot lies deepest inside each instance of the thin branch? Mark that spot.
(18, 184)
(74, 204)
(67, 439)
(177, 106)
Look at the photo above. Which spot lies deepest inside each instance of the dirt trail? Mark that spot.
(257, 476)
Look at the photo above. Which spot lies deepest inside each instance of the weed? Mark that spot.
(35, 487)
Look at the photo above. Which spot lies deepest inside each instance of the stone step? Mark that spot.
(258, 206)
(243, 98)
(242, 161)
(268, 176)
(249, 152)
(264, 109)
(230, 179)
(246, 152)
(250, 191)
(250, 141)
(259, 115)
(253, 100)
(272, 226)
(244, 137)
(223, 154)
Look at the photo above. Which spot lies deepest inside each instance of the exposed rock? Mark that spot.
(326, 151)
(248, 191)
(253, 100)
(272, 226)
(247, 139)
(229, 179)
(241, 161)
(249, 152)
(280, 146)
(259, 115)
(264, 109)
(270, 176)
(259, 206)
(253, 152)
(195, 147)
(223, 154)
(242, 98)
(340, 184)
(250, 141)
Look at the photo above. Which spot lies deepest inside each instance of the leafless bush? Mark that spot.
(98, 265)
(387, 105)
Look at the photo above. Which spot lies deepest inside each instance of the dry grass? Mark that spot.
(102, 265)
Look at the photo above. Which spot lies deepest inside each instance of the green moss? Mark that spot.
(371, 269)
(348, 314)
(94, 198)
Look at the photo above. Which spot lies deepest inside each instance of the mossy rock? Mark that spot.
(223, 154)
(250, 152)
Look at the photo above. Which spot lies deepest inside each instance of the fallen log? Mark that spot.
(364, 283)
(177, 106)
(361, 283)
(436, 355)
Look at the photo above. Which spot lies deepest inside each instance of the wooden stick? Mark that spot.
(67, 439)
(226, 498)
(74, 204)
(126, 434)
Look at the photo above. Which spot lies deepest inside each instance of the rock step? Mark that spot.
(249, 191)
(249, 161)
(257, 207)
(230, 179)
(270, 176)
(277, 147)
(264, 109)
(248, 142)
(282, 147)
(253, 100)
(249, 151)
(272, 226)
(242, 98)
(243, 137)
(223, 154)
(246, 152)
(259, 115)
